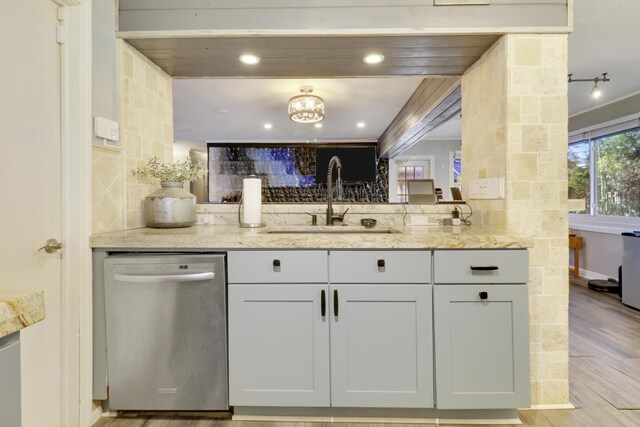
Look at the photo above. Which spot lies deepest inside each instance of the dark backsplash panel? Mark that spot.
(288, 176)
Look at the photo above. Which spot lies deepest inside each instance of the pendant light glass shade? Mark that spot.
(306, 108)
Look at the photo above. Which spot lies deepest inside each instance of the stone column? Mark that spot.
(514, 126)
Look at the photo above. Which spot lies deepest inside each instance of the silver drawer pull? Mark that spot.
(483, 267)
(131, 278)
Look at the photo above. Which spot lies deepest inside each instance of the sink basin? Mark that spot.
(331, 230)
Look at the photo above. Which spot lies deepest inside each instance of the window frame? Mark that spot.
(591, 221)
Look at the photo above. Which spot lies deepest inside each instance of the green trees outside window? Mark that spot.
(579, 176)
(616, 165)
(618, 174)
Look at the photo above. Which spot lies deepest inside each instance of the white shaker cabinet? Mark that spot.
(481, 326)
(377, 333)
(278, 335)
(381, 335)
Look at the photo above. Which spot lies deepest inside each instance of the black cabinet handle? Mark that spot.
(323, 303)
(335, 302)
(276, 265)
(483, 267)
(484, 295)
(381, 265)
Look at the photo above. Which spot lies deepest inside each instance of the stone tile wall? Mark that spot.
(108, 190)
(146, 130)
(146, 124)
(514, 125)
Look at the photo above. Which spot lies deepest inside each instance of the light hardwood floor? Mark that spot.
(604, 373)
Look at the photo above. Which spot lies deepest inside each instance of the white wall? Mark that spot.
(181, 148)
(600, 256)
(104, 61)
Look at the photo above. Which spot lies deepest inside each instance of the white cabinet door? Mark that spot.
(381, 346)
(482, 346)
(278, 345)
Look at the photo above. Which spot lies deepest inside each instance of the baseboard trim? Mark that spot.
(592, 275)
(378, 420)
(551, 406)
(96, 413)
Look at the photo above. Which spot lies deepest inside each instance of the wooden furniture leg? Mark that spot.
(576, 243)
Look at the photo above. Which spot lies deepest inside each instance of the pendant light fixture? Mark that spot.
(595, 92)
(306, 108)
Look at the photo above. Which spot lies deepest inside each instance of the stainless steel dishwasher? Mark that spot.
(166, 331)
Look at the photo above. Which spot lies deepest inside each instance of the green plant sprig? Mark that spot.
(179, 171)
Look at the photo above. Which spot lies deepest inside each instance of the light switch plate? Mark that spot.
(487, 188)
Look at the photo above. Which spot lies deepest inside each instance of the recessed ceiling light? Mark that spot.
(373, 58)
(268, 125)
(318, 125)
(360, 124)
(250, 59)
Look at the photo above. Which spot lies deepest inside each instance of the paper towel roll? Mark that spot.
(252, 200)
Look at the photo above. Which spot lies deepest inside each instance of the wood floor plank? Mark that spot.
(620, 390)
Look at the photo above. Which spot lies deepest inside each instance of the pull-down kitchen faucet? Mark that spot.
(335, 161)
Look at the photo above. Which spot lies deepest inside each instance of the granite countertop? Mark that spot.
(19, 309)
(233, 237)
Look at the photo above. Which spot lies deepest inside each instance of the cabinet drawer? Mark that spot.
(380, 267)
(277, 266)
(481, 266)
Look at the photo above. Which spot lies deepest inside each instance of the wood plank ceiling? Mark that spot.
(336, 56)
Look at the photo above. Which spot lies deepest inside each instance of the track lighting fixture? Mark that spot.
(595, 92)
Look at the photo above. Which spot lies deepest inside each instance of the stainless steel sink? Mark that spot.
(331, 230)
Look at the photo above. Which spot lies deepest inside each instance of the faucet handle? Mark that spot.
(340, 217)
(314, 218)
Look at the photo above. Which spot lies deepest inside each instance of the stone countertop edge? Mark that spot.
(233, 237)
(19, 309)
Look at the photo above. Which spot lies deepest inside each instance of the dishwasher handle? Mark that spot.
(193, 277)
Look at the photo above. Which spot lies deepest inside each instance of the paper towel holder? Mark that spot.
(247, 224)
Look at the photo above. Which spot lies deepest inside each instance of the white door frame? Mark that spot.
(76, 136)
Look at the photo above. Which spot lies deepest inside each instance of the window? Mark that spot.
(404, 168)
(406, 173)
(604, 172)
(455, 168)
(618, 174)
(579, 177)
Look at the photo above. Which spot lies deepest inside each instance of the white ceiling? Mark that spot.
(235, 110)
(605, 39)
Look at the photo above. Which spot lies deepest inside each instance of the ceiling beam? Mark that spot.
(435, 101)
